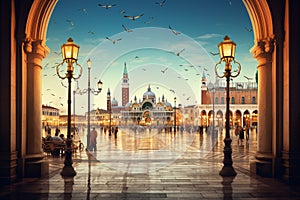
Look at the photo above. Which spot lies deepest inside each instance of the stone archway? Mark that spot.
(34, 49)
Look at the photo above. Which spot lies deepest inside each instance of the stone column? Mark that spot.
(262, 165)
(34, 166)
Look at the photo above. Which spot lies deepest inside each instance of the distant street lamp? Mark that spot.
(93, 91)
(227, 52)
(174, 114)
(211, 88)
(70, 54)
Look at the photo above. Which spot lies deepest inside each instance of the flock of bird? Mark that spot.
(133, 18)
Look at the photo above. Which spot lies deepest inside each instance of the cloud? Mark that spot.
(209, 36)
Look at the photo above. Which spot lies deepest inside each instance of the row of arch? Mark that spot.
(238, 118)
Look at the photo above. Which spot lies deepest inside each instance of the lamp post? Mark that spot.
(212, 89)
(90, 90)
(70, 55)
(227, 52)
(174, 114)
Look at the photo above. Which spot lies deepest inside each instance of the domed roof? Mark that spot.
(149, 94)
(114, 102)
(168, 104)
(128, 104)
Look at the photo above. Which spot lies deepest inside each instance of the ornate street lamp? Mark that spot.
(174, 114)
(227, 51)
(90, 90)
(70, 55)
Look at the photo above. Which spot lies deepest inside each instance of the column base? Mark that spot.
(8, 168)
(262, 165)
(290, 167)
(35, 166)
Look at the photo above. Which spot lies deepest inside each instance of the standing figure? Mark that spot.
(116, 132)
(93, 140)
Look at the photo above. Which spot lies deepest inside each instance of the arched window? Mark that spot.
(243, 100)
(232, 100)
(253, 100)
(222, 100)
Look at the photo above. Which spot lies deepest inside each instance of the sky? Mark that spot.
(169, 46)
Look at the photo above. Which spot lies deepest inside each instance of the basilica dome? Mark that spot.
(149, 94)
(114, 103)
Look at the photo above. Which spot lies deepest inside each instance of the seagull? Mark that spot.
(113, 41)
(249, 29)
(173, 31)
(122, 11)
(161, 3)
(248, 78)
(163, 71)
(91, 32)
(172, 91)
(70, 22)
(63, 84)
(106, 6)
(83, 10)
(133, 17)
(126, 29)
(57, 53)
(214, 54)
(188, 98)
(178, 53)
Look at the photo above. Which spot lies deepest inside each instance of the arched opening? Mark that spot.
(36, 29)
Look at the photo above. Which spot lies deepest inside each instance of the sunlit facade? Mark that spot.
(212, 110)
(148, 111)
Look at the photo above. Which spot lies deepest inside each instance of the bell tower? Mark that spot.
(125, 86)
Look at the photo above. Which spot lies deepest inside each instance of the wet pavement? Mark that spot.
(145, 164)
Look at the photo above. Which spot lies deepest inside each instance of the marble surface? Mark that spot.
(152, 165)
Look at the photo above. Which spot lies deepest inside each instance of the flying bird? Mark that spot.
(133, 17)
(161, 3)
(172, 91)
(106, 6)
(173, 31)
(163, 71)
(248, 78)
(91, 32)
(214, 54)
(70, 22)
(178, 53)
(83, 10)
(113, 41)
(57, 53)
(63, 84)
(126, 29)
(122, 11)
(249, 29)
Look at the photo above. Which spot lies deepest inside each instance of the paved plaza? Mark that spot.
(145, 164)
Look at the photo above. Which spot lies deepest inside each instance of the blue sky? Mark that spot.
(150, 48)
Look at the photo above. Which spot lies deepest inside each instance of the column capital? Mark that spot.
(36, 47)
(263, 50)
